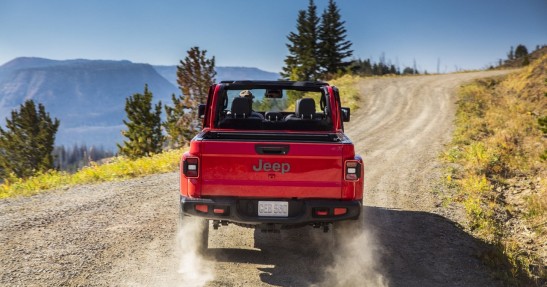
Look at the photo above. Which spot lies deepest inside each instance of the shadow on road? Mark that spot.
(425, 249)
(296, 257)
(401, 248)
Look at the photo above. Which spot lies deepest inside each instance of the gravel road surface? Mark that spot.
(126, 233)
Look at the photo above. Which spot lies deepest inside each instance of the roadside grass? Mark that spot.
(349, 93)
(500, 174)
(118, 169)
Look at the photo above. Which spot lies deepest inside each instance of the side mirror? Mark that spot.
(201, 111)
(345, 114)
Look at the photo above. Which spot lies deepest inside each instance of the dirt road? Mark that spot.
(126, 234)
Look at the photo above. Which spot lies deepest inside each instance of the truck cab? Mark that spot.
(272, 155)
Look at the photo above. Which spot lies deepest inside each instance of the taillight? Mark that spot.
(353, 170)
(190, 167)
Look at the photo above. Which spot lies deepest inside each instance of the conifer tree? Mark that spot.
(143, 126)
(521, 51)
(177, 134)
(26, 145)
(195, 74)
(293, 66)
(333, 46)
(302, 62)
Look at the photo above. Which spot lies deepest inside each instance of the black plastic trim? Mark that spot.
(303, 214)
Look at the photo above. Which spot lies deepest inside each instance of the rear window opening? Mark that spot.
(279, 109)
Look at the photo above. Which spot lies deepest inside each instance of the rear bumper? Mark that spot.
(245, 211)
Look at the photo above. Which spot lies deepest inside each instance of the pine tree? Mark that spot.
(195, 74)
(177, 135)
(333, 46)
(302, 62)
(26, 145)
(310, 56)
(521, 51)
(143, 126)
(293, 65)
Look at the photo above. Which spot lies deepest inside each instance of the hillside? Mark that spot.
(520, 62)
(88, 96)
(499, 154)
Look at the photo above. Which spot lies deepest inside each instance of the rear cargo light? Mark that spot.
(340, 211)
(353, 170)
(190, 167)
(202, 208)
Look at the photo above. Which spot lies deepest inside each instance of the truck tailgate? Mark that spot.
(271, 170)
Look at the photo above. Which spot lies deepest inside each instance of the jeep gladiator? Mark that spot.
(272, 155)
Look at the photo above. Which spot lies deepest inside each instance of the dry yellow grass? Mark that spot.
(498, 144)
(349, 95)
(120, 168)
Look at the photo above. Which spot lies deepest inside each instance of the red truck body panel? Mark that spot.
(234, 169)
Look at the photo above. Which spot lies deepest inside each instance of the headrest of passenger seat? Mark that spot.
(241, 107)
(305, 108)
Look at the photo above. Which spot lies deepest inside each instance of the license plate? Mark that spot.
(273, 208)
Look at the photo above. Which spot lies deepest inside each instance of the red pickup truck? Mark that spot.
(272, 155)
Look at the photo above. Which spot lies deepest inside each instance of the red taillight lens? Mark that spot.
(352, 170)
(190, 167)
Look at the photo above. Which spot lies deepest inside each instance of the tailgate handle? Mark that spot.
(272, 149)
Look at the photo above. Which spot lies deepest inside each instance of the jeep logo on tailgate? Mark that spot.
(282, 167)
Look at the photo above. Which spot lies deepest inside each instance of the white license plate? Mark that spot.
(273, 208)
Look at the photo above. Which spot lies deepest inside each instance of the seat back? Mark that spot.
(241, 107)
(305, 108)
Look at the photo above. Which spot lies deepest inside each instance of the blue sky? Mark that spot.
(462, 34)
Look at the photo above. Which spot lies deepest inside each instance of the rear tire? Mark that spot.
(203, 239)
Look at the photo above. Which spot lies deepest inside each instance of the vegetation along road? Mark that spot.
(126, 233)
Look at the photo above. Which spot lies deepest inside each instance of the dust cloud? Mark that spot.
(355, 261)
(194, 269)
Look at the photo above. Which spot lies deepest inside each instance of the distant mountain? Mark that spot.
(223, 74)
(88, 96)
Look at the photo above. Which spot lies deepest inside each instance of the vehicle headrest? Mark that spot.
(241, 107)
(305, 108)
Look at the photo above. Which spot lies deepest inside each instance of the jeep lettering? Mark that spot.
(276, 167)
